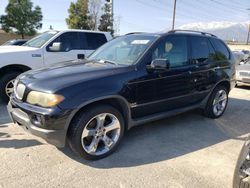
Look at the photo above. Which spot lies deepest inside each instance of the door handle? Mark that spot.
(217, 68)
(80, 56)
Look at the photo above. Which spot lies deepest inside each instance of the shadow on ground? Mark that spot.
(174, 137)
(241, 86)
(18, 144)
(4, 116)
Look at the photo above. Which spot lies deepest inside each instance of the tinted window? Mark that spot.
(221, 50)
(173, 48)
(69, 41)
(201, 49)
(95, 40)
(83, 41)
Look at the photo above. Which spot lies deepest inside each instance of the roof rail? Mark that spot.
(191, 31)
(133, 33)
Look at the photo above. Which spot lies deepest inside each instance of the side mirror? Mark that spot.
(56, 47)
(159, 64)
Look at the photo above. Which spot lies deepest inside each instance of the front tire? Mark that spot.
(7, 85)
(96, 132)
(217, 102)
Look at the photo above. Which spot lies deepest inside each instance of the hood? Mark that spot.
(245, 67)
(10, 49)
(52, 79)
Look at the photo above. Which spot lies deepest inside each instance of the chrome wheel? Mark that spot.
(220, 102)
(9, 88)
(101, 134)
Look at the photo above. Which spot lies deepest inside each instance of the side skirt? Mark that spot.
(162, 115)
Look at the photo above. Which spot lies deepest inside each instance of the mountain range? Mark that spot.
(229, 31)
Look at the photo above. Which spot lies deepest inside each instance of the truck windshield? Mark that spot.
(40, 40)
(123, 50)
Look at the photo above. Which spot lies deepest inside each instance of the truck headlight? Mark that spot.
(44, 99)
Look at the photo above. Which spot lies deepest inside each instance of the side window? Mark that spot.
(201, 49)
(221, 51)
(173, 48)
(69, 41)
(95, 40)
(83, 41)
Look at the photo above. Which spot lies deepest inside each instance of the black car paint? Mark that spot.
(144, 95)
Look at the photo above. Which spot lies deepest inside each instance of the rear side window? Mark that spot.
(201, 49)
(221, 51)
(95, 40)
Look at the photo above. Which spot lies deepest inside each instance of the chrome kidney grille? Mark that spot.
(19, 90)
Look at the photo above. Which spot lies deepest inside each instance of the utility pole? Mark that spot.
(248, 32)
(248, 29)
(174, 14)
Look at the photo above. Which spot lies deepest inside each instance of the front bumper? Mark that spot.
(22, 117)
(243, 80)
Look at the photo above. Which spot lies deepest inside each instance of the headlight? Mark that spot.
(44, 99)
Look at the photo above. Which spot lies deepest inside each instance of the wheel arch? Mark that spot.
(225, 83)
(116, 101)
(14, 67)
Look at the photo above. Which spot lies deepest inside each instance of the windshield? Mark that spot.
(40, 40)
(123, 50)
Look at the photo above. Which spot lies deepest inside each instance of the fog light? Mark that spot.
(37, 120)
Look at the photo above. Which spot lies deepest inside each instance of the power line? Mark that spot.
(226, 6)
(165, 10)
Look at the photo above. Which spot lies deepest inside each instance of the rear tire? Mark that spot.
(96, 132)
(217, 102)
(5, 82)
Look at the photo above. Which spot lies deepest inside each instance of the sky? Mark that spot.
(150, 15)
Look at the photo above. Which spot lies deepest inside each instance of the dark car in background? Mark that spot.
(15, 42)
(128, 81)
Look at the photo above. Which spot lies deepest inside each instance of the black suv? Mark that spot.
(128, 81)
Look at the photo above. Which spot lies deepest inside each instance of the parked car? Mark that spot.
(239, 56)
(242, 169)
(128, 81)
(243, 73)
(46, 49)
(247, 54)
(15, 42)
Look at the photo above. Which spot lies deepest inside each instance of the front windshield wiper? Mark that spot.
(107, 61)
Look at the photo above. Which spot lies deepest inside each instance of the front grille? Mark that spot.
(19, 91)
(246, 74)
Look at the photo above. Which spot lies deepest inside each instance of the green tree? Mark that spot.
(78, 15)
(106, 21)
(21, 18)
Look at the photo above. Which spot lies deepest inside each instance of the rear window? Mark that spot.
(221, 50)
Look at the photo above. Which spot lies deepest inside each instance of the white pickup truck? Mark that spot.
(46, 49)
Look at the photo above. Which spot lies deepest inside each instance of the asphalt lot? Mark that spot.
(187, 150)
